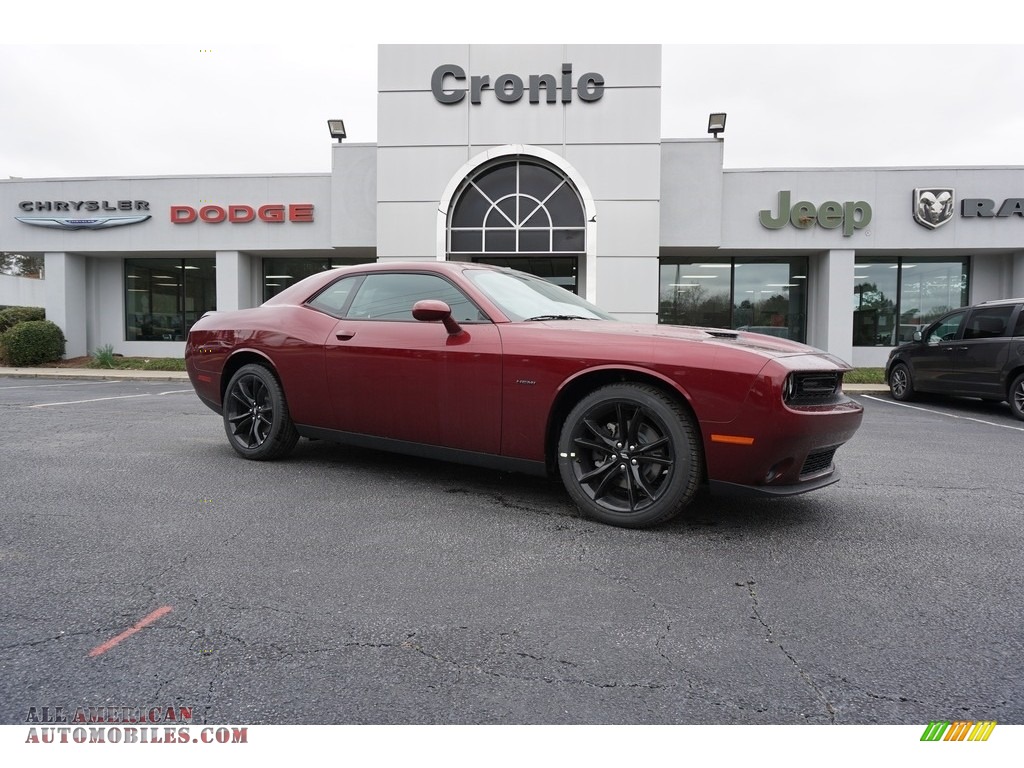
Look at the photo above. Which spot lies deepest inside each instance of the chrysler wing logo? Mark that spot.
(69, 223)
(933, 206)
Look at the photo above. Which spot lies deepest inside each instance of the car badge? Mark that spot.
(74, 223)
(933, 206)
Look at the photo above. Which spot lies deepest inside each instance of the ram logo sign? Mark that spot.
(933, 206)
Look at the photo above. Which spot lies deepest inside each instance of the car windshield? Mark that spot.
(525, 297)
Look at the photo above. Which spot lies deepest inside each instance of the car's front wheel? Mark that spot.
(629, 455)
(256, 415)
(901, 385)
(1016, 398)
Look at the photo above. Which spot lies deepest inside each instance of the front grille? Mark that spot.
(813, 388)
(819, 461)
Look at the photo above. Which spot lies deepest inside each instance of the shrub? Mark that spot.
(33, 342)
(13, 315)
(103, 357)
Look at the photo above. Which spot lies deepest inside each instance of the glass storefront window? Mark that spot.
(560, 271)
(766, 296)
(916, 291)
(931, 289)
(875, 289)
(165, 297)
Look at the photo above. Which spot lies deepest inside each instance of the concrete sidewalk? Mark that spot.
(107, 374)
(93, 373)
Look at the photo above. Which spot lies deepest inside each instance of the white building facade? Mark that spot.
(547, 158)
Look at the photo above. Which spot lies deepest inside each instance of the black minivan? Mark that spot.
(972, 352)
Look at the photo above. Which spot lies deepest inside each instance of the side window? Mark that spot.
(335, 296)
(989, 323)
(1019, 330)
(947, 328)
(392, 296)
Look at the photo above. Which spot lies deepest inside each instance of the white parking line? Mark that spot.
(942, 413)
(118, 397)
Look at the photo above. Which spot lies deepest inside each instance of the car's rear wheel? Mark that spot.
(256, 415)
(1016, 398)
(901, 385)
(629, 455)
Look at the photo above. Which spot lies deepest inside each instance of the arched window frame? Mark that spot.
(526, 152)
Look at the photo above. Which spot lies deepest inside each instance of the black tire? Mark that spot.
(1016, 397)
(634, 483)
(901, 385)
(256, 417)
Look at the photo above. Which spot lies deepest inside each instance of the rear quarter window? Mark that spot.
(989, 323)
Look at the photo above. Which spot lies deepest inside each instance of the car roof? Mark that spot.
(298, 292)
(999, 301)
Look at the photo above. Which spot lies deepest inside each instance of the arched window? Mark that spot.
(518, 212)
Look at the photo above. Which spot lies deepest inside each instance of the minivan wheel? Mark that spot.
(901, 386)
(1016, 398)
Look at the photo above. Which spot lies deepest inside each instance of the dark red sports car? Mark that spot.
(493, 367)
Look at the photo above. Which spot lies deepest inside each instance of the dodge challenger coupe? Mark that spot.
(493, 367)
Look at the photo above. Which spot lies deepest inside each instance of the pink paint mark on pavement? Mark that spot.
(142, 624)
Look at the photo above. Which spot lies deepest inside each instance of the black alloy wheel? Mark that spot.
(256, 415)
(629, 455)
(1016, 397)
(901, 385)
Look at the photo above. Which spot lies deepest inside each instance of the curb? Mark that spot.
(92, 374)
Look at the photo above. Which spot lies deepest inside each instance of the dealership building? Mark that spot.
(549, 159)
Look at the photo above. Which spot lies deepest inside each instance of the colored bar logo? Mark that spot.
(958, 730)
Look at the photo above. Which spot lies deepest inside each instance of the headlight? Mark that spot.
(787, 389)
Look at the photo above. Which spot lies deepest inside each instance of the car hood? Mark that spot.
(770, 347)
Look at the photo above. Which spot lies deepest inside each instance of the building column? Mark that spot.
(234, 281)
(829, 312)
(1017, 276)
(66, 299)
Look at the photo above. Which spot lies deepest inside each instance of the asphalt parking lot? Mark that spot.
(347, 586)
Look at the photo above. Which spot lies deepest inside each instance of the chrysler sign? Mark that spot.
(78, 207)
(80, 221)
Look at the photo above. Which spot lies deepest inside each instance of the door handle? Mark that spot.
(344, 335)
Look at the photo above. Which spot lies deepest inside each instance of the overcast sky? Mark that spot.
(197, 88)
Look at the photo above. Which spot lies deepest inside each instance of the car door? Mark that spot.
(392, 376)
(932, 360)
(981, 354)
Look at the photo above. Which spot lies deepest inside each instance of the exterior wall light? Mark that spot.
(716, 123)
(337, 128)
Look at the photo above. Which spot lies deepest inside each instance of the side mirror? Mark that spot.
(432, 310)
(917, 336)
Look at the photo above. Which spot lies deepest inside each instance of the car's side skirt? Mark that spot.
(440, 453)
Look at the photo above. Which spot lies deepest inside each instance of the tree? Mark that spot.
(19, 264)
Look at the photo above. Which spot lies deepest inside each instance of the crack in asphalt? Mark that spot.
(504, 503)
(43, 641)
(830, 711)
(625, 581)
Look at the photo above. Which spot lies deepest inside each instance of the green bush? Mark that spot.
(13, 315)
(33, 342)
(103, 357)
